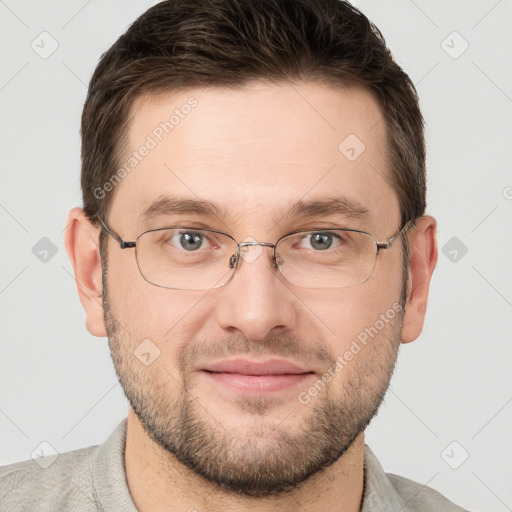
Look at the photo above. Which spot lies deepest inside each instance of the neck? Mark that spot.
(159, 482)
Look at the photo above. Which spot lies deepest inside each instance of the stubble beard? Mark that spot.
(265, 459)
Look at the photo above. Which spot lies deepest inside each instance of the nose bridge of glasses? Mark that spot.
(246, 244)
(250, 257)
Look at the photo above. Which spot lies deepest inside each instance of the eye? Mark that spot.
(188, 240)
(322, 240)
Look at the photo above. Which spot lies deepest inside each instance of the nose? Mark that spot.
(257, 299)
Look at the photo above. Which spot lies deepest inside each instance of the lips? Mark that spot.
(245, 367)
(251, 377)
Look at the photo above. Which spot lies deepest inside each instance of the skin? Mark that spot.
(254, 151)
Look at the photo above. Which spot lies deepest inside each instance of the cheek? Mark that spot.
(348, 314)
(166, 317)
(364, 349)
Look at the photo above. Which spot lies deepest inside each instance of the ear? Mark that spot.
(82, 245)
(423, 251)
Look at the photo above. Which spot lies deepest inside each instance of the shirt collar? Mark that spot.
(109, 473)
(379, 493)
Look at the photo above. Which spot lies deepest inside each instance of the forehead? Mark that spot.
(256, 151)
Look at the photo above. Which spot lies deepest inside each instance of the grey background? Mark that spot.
(453, 384)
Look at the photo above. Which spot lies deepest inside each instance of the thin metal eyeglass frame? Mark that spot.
(124, 244)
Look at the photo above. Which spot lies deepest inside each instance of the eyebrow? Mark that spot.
(331, 205)
(334, 205)
(169, 205)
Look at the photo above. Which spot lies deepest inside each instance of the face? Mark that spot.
(218, 391)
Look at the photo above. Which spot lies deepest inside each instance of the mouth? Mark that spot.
(250, 377)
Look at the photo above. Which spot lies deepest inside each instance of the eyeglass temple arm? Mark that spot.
(122, 243)
(389, 243)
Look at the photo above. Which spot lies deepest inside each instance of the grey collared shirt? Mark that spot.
(94, 479)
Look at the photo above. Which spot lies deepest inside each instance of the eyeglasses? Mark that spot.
(185, 258)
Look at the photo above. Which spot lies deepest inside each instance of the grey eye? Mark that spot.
(191, 241)
(321, 241)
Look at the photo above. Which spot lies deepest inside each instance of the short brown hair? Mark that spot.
(178, 44)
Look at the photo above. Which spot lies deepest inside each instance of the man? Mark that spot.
(254, 244)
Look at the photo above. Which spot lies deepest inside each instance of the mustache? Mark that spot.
(281, 345)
